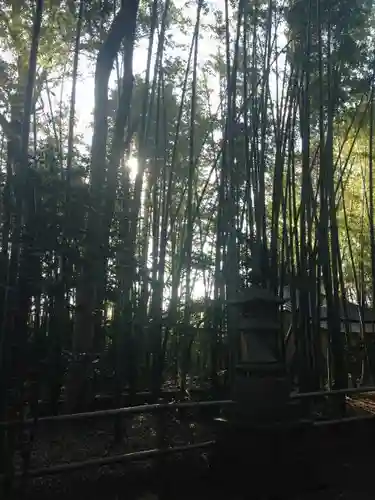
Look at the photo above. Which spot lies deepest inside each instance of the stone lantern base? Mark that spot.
(261, 392)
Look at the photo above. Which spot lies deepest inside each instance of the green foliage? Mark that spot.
(56, 33)
(347, 27)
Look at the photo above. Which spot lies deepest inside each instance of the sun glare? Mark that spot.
(132, 164)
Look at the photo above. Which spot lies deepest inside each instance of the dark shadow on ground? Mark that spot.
(324, 463)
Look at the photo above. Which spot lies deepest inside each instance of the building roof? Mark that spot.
(351, 313)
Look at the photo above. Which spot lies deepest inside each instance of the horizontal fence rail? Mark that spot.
(348, 390)
(154, 408)
(129, 410)
(115, 459)
(343, 420)
(166, 394)
(151, 408)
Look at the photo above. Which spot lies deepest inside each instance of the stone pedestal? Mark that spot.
(261, 392)
(260, 387)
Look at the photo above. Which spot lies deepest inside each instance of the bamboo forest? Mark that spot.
(187, 249)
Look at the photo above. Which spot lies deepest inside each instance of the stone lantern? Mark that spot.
(263, 439)
(260, 386)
